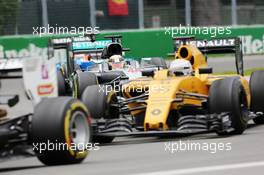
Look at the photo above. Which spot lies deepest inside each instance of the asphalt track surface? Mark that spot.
(146, 156)
(228, 63)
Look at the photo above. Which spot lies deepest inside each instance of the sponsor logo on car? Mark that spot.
(156, 111)
(45, 89)
(90, 45)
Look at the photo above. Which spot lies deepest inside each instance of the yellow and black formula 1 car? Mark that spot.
(53, 132)
(184, 99)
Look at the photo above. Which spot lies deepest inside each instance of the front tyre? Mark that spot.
(98, 98)
(60, 131)
(228, 95)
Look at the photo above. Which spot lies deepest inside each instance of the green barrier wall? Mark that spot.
(143, 43)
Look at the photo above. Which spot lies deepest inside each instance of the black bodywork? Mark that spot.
(14, 131)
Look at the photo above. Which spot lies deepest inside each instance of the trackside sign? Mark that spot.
(252, 46)
(142, 43)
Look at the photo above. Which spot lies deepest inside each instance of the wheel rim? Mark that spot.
(79, 129)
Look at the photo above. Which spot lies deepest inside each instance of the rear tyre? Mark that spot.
(61, 83)
(107, 77)
(228, 95)
(64, 70)
(98, 99)
(257, 94)
(60, 121)
(81, 81)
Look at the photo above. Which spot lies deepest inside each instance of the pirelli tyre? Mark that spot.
(228, 95)
(61, 131)
(257, 94)
(98, 98)
(81, 81)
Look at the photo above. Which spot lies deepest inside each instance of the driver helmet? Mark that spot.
(181, 65)
(117, 62)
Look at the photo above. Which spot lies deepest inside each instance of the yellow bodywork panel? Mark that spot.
(167, 92)
(162, 93)
(162, 90)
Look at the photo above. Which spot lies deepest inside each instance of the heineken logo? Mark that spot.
(252, 45)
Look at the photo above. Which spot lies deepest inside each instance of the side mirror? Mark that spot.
(148, 73)
(206, 70)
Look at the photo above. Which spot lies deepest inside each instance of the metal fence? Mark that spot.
(20, 16)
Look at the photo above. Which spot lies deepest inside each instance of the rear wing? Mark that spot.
(88, 46)
(216, 46)
(97, 46)
(111, 44)
(84, 45)
(225, 45)
(63, 43)
(60, 43)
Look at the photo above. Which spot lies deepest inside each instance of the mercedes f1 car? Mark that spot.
(184, 99)
(52, 132)
(89, 62)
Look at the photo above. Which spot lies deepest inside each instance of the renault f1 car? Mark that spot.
(52, 132)
(184, 99)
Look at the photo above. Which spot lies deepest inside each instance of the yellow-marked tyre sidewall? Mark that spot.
(74, 153)
(75, 88)
(51, 123)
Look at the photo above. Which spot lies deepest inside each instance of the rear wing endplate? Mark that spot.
(216, 46)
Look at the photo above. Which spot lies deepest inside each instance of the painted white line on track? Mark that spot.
(206, 169)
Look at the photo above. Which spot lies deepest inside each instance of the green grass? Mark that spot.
(246, 72)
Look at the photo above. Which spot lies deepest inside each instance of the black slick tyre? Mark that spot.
(228, 95)
(59, 127)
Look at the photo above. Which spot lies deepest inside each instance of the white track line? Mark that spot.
(206, 169)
